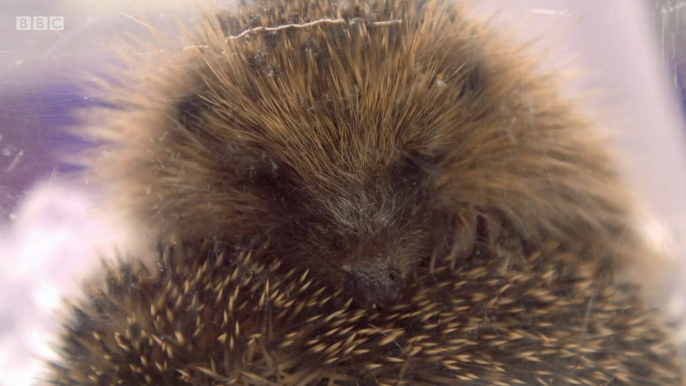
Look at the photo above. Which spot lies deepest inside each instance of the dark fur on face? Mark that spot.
(359, 141)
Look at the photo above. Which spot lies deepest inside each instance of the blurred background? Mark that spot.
(631, 53)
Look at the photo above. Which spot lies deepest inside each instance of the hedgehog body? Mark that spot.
(358, 138)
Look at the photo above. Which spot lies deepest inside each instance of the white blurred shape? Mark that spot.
(50, 247)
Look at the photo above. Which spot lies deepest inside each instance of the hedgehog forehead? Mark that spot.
(366, 203)
(359, 212)
(347, 144)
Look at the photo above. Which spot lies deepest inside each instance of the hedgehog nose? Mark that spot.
(380, 284)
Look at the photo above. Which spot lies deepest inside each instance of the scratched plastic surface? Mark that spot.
(49, 234)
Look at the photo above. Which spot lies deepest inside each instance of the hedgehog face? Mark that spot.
(366, 237)
(362, 216)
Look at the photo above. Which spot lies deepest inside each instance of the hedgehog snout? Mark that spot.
(379, 283)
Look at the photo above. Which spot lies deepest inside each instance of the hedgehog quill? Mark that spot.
(414, 163)
(211, 317)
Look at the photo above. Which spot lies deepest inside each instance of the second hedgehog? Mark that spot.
(358, 138)
(215, 317)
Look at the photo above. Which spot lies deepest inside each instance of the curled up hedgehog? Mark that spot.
(360, 192)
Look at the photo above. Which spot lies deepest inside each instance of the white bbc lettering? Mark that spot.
(56, 23)
(40, 23)
(23, 23)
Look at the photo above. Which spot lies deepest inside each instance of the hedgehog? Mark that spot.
(217, 315)
(357, 139)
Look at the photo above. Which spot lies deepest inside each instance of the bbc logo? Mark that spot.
(40, 23)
